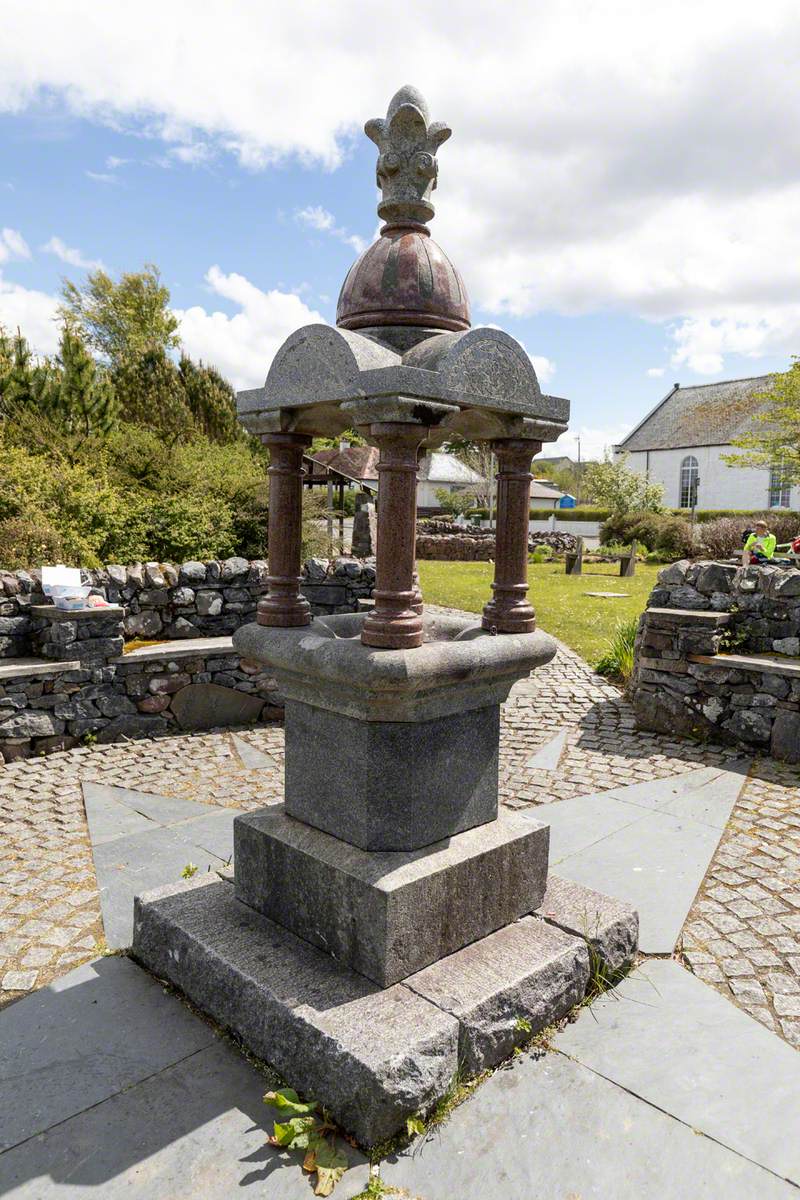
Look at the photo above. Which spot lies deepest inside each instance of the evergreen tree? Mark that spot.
(19, 386)
(211, 401)
(85, 402)
(151, 394)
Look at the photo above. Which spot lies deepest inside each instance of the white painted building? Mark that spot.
(680, 444)
(440, 471)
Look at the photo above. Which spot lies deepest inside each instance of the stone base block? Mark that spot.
(389, 915)
(506, 987)
(391, 785)
(371, 1056)
(610, 927)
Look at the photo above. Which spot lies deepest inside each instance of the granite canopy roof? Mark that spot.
(708, 414)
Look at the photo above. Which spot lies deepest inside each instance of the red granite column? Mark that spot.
(394, 623)
(509, 610)
(284, 605)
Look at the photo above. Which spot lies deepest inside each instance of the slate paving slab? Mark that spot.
(165, 810)
(547, 757)
(550, 1129)
(127, 866)
(136, 1097)
(102, 1028)
(666, 1037)
(141, 840)
(648, 844)
(251, 756)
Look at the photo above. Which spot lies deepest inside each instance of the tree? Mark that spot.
(151, 394)
(122, 320)
(775, 440)
(478, 456)
(85, 402)
(613, 485)
(25, 384)
(211, 400)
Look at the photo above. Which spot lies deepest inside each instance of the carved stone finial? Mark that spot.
(407, 166)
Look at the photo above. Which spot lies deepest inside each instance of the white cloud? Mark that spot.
(195, 154)
(70, 255)
(33, 312)
(101, 177)
(655, 372)
(13, 245)
(112, 162)
(242, 346)
(628, 157)
(545, 368)
(318, 218)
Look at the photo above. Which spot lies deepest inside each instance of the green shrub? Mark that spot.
(704, 515)
(617, 661)
(656, 531)
(25, 541)
(455, 502)
(570, 514)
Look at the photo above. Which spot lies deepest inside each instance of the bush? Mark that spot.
(704, 515)
(542, 514)
(455, 502)
(661, 532)
(722, 538)
(25, 541)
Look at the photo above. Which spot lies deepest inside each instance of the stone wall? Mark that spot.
(64, 677)
(190, 600)
(717, 656)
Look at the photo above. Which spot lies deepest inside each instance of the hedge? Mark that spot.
(542, 514)
(751, 514)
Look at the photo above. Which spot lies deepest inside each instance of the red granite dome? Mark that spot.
(404, 278)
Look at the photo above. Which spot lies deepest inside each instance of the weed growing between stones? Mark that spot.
(189, 871)
(310, 1129)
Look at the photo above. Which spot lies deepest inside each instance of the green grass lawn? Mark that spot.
(584, 622)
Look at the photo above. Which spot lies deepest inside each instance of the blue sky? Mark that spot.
(631, 220)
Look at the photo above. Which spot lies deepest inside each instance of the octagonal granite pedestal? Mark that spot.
(381, 933)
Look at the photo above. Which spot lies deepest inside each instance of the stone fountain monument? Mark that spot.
(381, 931)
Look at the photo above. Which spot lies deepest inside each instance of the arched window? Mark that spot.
(779, 488)
(690, 478)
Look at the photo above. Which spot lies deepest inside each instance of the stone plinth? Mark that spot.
(388, 915)
(391, 785)
(372, 1056)
(393, 749)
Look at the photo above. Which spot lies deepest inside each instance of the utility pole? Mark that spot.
(578, 480)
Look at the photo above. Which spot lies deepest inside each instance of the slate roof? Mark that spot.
(440, 467)
(357, 462)
(707, 414)
(541, 491)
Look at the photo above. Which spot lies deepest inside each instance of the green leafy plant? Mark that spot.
(733, 639)
(617, 662)
(188, 871)
(309, 1129)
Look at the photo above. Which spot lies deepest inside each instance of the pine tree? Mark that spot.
(85, 402)
(150, 394)
(211, 401)
(19, 390)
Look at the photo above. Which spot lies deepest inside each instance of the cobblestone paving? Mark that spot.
(742, 936)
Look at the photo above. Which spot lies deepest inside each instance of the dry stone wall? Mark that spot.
(718, 655)
(64, 677)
